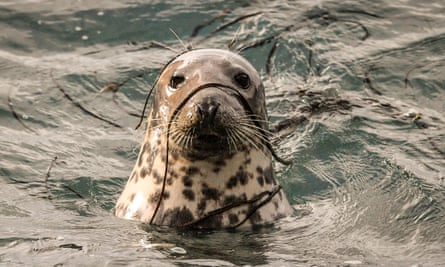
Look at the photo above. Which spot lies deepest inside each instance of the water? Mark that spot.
(368, 172)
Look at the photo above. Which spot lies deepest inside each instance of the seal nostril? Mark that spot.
(206, 113)
(199, 112)
(212, 112)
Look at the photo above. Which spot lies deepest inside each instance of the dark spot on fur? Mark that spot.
(220, 163)
(255, 217)
(210, 193)
(169, 180)
(142, 173)
(166, 195)
(192, 170)
(247, 161)
(158, 179)
(202, 206)
(154, 198)
(260, 180)
(233, 218)
(146, 148)
(259, 170)
(269, 176)
(163, 155)
(177, 216)
(140, 159)
(241, 176)
(150, 159)
(173, 173)
(174, 155)
(216, 169)
(189, 194)
(231, 199)
(187, 181)
(233, 181)
(132, 197)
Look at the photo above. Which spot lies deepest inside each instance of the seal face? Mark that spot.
(205, 160)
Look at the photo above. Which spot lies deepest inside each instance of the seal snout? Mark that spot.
(206, 112)
(205, 125)
(209, 121)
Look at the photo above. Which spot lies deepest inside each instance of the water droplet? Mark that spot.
(25, 117)
(84, 37)
(100, 13)
(77, 28)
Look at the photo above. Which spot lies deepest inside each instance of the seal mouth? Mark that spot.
(196, 141)
(214, 121)
(208, 139)
(209, 143)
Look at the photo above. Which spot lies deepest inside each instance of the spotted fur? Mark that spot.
(231, 175)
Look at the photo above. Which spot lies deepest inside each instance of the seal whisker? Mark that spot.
(186, 139)
(250, 135)
(186, 47)
(189, 139)
(240, 134)
(231, 140)
(251, 139)
(237, 142)
(256, 128)
(182, 139)
(259, 135)
(253, 118)
(251, 121)
(176, 136)
(260, 131)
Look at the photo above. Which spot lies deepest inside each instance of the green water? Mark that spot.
(364, 79)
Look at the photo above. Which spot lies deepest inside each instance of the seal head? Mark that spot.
(205, 160)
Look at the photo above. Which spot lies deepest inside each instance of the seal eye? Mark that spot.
(176, 80)
(243, 80)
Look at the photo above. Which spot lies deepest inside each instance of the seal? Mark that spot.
(206, 160)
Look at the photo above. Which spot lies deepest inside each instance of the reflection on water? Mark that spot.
(355, 94)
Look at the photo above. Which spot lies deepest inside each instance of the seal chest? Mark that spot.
(205, 161)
